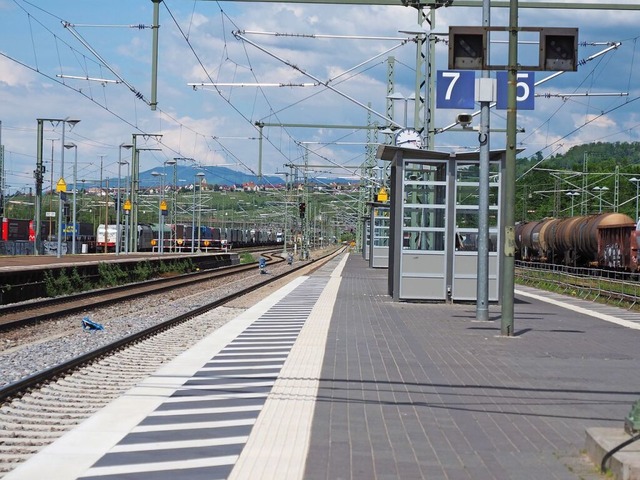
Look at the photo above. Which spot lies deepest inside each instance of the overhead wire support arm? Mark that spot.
(195, 85)
(90, 79)
(315, 35)
(585, 94)
(78, 37)
(325, 84)
(139, 26)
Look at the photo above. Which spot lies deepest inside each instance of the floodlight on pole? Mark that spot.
(75, 191)
(160, 211)
(119, 235)
(572, 195)
(193, 213)
(200, 175)
(172, 209)
(600, 191)
(62, 188)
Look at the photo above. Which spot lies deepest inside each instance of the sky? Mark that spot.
(43, 43)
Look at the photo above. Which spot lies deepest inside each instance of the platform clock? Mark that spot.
(408, 138)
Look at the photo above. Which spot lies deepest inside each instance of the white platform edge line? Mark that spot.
(584, 311)
(75, 452)
(278, 444)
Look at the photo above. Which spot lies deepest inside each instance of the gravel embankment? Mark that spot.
(31, 349)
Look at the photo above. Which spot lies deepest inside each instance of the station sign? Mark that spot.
(525, 87)
(456, 89)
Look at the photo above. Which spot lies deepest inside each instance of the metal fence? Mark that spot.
(620, 288)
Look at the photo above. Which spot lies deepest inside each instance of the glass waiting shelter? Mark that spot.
(366, 244)
(379, 225)
(434, 224)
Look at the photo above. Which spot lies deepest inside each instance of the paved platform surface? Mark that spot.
(375, 389)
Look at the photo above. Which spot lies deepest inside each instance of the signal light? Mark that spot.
(302, 207)
(559, 49)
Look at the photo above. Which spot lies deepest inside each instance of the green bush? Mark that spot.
(141, 272)
(64, 283)
(246, 258)
(111, 274)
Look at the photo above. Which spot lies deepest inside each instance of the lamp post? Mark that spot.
(201, 175)
(160, 211)
(50, 232)
(572, 195)
(135, 184)
(62, 187)
(398, 96)
(38, 175)
(75, 191)
(637, 182)
(600, 191)
(172, 207)
(198, 176)
(119, 205)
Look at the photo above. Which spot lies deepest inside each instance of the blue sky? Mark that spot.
(216, 126)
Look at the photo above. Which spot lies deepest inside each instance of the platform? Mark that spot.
(328, 378)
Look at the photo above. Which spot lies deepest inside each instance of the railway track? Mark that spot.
(49, 308)
(38, 409)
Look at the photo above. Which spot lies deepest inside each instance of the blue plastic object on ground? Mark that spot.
(88, 324)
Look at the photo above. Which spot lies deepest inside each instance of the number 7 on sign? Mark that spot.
(455, 89)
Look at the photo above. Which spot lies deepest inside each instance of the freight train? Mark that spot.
(17, 237)
(606, 240)
(184, 238)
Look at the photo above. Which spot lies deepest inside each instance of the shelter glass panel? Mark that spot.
(425, 172)
(425, 240)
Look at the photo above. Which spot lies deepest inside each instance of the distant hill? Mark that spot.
(187, 175)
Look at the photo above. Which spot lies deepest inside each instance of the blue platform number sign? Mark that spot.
(525, 90)
(455, 89)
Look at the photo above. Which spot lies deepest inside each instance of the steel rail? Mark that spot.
(33, 381)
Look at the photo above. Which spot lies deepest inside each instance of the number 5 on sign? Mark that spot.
(525, 99)
(455, 89)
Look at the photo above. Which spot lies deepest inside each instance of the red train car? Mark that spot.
(13, 229)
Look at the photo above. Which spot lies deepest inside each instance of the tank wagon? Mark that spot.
(606, 240)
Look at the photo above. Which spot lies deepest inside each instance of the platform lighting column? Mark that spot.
(160, 219)
(75, 191)
(600, 191)
(172, 208)
(201, 176)
(64, 122)
(127, 196)
(193, 217)
(572, 195)
(118, 197)
(482, 283)
(62, 191)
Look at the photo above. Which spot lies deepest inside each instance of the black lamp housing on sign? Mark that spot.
(467, 48)
(558, 49)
